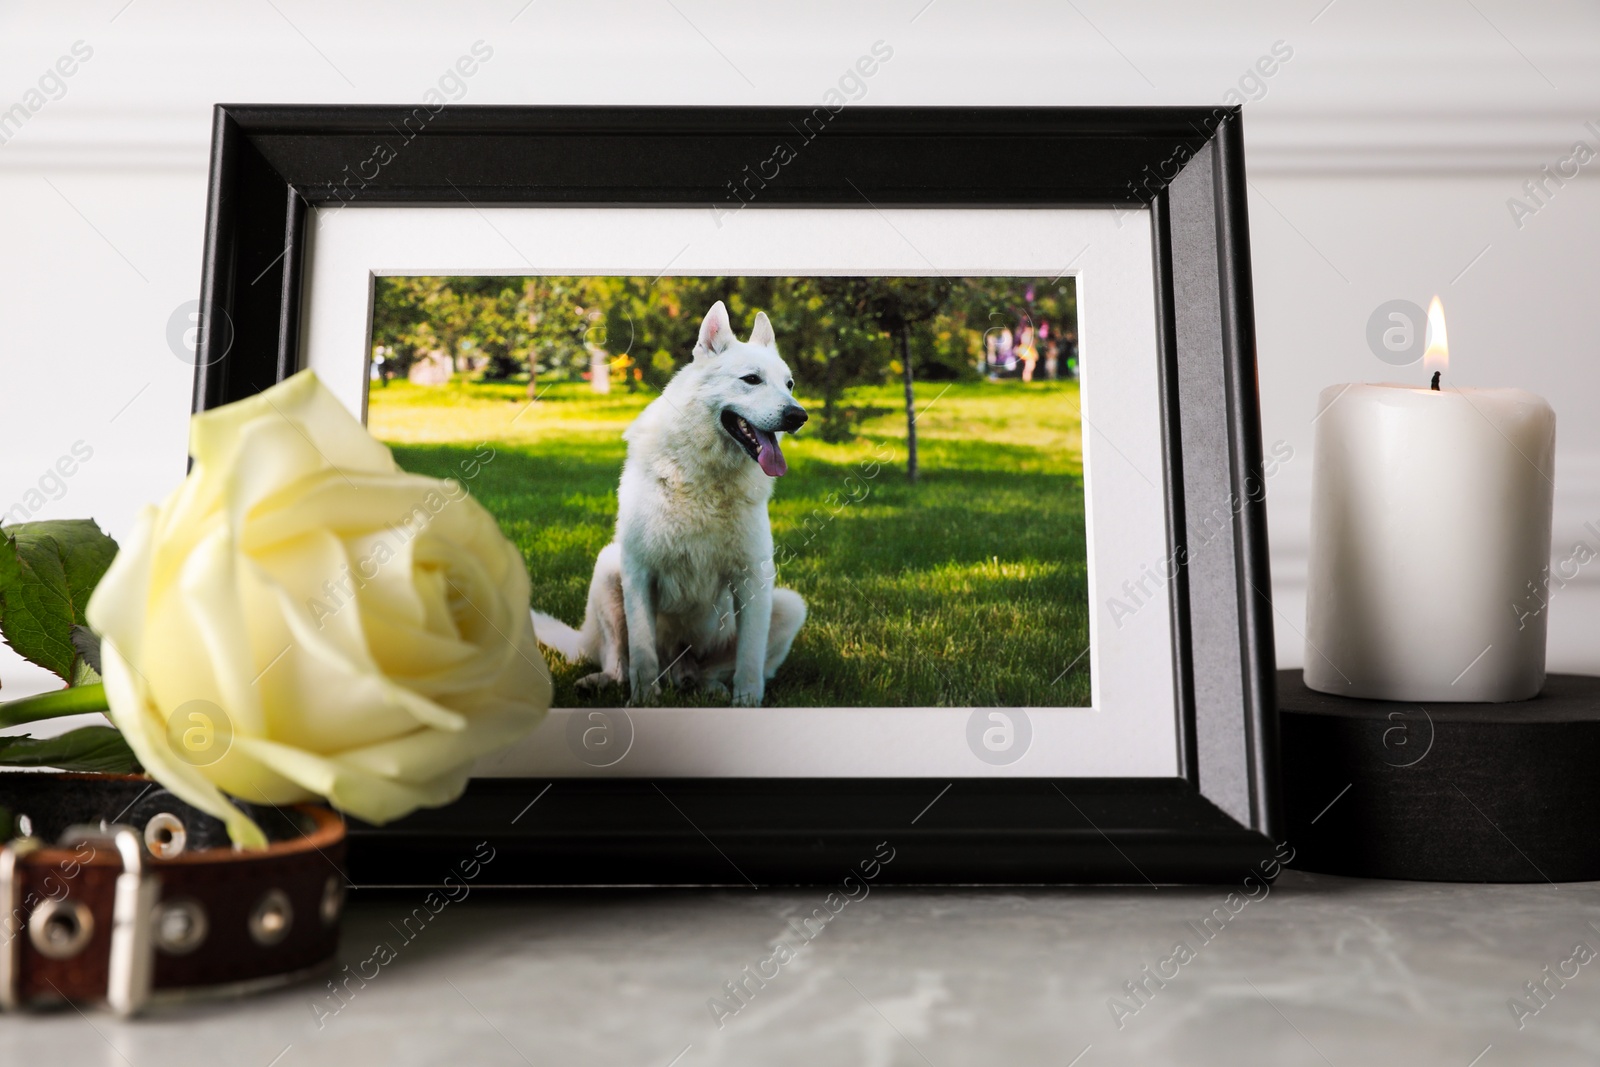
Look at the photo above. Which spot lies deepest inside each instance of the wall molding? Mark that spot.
(1280, 140)
(1415, 141)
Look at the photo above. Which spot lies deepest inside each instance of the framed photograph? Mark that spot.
(889, 479)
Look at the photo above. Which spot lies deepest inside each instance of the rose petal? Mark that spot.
(364, 631)
(146, 733)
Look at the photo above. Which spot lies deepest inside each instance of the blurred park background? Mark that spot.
(634, 333)
(933, 513)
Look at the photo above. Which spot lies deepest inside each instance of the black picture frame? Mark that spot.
(1216, 820)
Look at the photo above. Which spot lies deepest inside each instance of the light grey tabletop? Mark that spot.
(1321, 971)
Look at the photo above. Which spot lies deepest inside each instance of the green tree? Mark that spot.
(499, 329)
(414, 316)
(896, 306)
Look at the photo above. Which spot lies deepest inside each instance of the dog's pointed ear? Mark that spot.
(761, 333)
(716, 333)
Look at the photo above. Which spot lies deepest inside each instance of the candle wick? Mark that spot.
(1436, 381)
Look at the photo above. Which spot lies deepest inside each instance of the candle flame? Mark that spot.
(1436, 356)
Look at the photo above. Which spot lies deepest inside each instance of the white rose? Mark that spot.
(342, 629)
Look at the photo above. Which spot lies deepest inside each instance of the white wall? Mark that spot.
(1381, 157)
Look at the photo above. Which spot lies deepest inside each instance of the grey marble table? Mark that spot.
(1321, 970)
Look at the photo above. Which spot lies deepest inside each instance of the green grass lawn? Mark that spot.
(967, 589)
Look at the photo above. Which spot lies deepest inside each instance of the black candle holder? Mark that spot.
(1444, 792)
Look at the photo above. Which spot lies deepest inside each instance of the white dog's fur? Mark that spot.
(686, 586)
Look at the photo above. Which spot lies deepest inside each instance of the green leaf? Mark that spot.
(87, 642)
(47, 571)
(92, 748)
(10, 565)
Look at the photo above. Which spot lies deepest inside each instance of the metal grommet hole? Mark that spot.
(333, 891)
(60, 929)
(181, 926)
(271, 918)
(165, 836)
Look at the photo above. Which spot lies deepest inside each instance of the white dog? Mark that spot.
(686, 586)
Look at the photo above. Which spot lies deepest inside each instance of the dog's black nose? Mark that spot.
(794, 417)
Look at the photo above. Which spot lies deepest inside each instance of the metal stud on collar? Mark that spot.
(333, 895)
(165, 836)
(181, 926)
(271, 918)
(60, 929)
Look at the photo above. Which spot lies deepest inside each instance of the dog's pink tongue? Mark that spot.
(770, 456)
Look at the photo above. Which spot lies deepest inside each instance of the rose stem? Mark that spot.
(74, 700)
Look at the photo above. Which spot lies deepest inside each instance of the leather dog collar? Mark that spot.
(141, 899)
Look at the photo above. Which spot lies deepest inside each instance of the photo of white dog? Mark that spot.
(685, 591)
(931, 532)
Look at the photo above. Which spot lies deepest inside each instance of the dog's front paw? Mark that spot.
(714, 689)
(597, 680)
(747, 696)
(644, 688)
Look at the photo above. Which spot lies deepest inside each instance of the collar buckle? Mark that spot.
(132, 956)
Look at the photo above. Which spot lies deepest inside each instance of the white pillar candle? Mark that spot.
(1430, 539)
